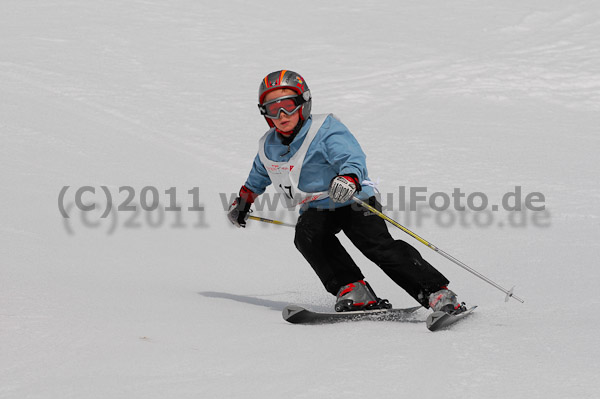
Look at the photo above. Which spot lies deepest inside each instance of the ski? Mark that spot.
(298, 315)
(440, 320)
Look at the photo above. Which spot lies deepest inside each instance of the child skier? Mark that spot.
(315, 162)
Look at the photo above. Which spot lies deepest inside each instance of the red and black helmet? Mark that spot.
(285, 79)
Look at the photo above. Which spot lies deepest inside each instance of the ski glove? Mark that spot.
(238, 212)
(240, 208)
(342, 188)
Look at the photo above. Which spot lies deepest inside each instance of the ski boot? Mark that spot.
(445, 300)
(359, 296)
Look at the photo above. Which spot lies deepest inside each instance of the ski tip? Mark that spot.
(440, 320)
(411, 310)
(290, 311)
(434, 318)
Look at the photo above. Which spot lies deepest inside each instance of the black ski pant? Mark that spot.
(316, 240)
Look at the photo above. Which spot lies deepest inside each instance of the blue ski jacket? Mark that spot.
(334, 151)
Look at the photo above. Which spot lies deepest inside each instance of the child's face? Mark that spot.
(286, 123)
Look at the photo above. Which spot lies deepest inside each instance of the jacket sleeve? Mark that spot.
(258, 179)
(344, 152)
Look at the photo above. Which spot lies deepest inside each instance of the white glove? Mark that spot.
(342, 188)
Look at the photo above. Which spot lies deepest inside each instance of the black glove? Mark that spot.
(238, 212)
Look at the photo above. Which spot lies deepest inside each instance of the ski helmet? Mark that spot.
(286, 80)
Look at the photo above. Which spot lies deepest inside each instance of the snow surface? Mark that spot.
(479, 95)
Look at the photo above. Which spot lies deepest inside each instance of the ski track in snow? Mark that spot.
(484, 96)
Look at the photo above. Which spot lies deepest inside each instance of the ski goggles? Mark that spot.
(288, 104)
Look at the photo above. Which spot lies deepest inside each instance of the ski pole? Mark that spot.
(509, 293)
(265, 220)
